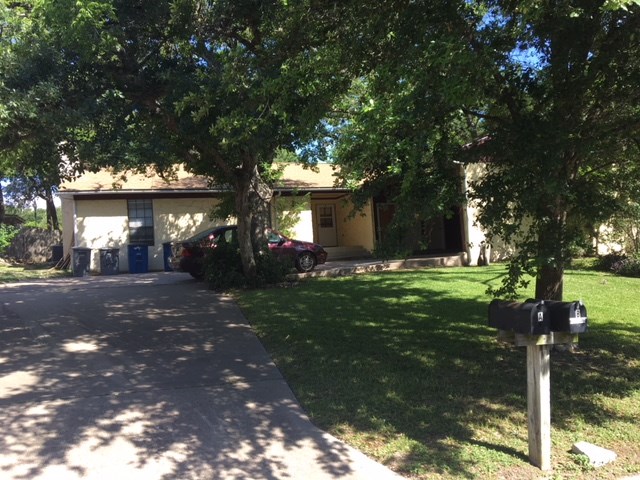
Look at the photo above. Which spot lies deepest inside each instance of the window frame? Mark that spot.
(140, 210)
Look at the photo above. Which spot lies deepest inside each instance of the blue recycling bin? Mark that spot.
(166, 253)
(138, 258)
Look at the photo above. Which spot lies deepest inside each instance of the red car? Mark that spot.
(188, 255)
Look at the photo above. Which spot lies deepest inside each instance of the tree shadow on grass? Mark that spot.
(385, 356)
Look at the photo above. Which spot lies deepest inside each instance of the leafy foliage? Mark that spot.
(544, 94)
(223, 268)
(288, 212)
(7, 234)
(219, 86)
(620, 264)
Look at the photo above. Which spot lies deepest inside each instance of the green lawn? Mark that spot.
(18, 272)
(403, 366)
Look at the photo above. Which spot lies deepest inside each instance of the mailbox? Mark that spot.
(569, 317)
(530, 317)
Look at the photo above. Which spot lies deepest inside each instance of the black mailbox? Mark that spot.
(530, 317)
(569, 317)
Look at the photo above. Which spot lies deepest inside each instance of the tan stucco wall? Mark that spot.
(303, 229)
(473, 234)
(351, 231)
(177, 219)
(104, 223)
(100, 224)
(355, 230)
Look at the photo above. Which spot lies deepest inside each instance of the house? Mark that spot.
(115, 210)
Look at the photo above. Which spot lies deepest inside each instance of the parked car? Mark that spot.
(188, 255)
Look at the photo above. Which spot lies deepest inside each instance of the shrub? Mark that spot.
(627, 267)
(223, 268)
(619, 264)
(606, 262)
(271, 269)
(7, 234)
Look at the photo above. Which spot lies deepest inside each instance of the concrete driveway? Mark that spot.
(149, 377)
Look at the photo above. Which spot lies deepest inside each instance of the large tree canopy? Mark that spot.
(217, 85)
(546, 94)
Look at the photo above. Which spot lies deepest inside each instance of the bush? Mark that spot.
(271, 269)
(619, 264)
(223, 268)
(606, 262)
(7, 234)
(627, 267)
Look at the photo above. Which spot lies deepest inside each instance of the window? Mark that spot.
(325, 213)
(140, 221)
(273, 237)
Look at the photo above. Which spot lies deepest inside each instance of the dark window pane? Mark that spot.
(141, 222)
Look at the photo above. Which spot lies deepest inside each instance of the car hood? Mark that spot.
(307, 245)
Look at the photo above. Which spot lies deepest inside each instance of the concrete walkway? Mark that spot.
(149, 377)
(368, 265)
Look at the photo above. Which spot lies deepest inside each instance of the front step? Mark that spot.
(344, 253)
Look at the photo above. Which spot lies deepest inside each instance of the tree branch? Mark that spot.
(484, 116)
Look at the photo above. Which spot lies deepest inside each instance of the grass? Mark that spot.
(10, 273)
(403, 366)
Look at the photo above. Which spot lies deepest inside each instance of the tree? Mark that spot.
(547, 91)
(561, 129)
(34, 118)
(216, 85)
(24, 190)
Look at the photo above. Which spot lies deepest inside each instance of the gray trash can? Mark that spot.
(81, 261)
(109, 261)
(56, 253)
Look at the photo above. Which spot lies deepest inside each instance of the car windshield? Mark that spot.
(202, 235)
(273, 237)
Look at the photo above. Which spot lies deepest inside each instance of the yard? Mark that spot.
(10, 272)
(404, 367)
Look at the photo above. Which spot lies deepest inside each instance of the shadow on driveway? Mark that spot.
(149, 377)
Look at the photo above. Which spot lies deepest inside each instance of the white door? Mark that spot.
(327, 232)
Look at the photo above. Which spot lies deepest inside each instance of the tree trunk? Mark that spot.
(549, 283)
(252, 198)
(260, 198)
(52, 214)
(550, 273)
(2, 208)
(245, 218)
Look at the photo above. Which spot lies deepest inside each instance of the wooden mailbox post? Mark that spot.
(539, 321)
(539, 389)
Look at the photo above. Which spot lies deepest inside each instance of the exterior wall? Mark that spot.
(100, 224)
(177, 219)
(474, 236)
(296, 210)
(358, 230)
(104, 223)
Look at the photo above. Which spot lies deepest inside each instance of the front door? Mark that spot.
(327, 232)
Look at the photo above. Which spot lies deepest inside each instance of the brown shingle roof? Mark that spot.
(295, 177)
